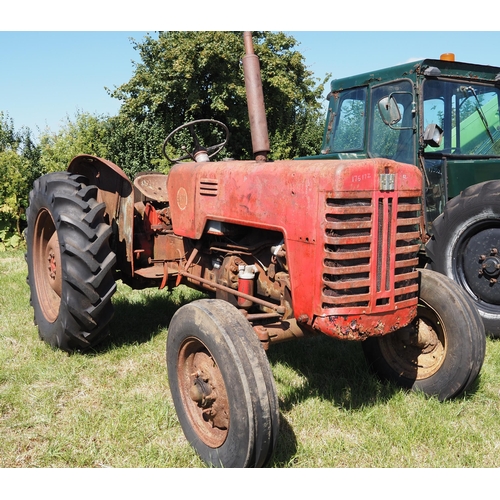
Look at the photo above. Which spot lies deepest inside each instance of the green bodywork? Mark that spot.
(440, 115)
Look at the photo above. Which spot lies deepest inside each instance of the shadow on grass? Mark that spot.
(141, 319)
(330, 370)
(333, 370)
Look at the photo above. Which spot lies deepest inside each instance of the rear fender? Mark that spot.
(116, 192)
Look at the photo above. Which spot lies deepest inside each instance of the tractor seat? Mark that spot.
(152, 185)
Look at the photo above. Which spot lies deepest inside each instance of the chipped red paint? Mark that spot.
(293, 197)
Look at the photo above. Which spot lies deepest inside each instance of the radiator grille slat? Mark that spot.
(370, 252)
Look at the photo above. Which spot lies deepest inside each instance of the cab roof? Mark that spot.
(431, 67)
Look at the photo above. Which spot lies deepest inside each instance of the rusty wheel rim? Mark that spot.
(47, 265)
(203, 392)
(419, 350)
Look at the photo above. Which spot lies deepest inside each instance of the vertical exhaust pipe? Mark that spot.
(255, 100)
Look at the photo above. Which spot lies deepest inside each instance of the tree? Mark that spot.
(18, 159)
(21, 162)
(185, 76)
(86, 134)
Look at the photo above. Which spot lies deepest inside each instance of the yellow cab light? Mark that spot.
(447, 57)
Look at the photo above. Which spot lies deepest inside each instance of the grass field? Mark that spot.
(113, 408)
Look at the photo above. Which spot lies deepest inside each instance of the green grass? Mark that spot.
(113, 408)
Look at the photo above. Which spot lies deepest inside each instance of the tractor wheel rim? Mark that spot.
(203, 393)
(478, 264)
(419, 350)
(47, 265)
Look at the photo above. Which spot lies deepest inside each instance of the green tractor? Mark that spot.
(444, 117)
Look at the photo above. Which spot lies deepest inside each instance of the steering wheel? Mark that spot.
(211, 150)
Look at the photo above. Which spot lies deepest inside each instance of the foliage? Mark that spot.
(349, 134)
(185, 76)
(8, 136)
(135, 146)
(21, 162)
(17, 154)
(9, 238)
(86, 134)
(13, 181)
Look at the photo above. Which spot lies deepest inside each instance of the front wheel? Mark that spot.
(442, 351)
(222, 385)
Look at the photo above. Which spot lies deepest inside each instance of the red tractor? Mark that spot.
(283, 250)
(443, 116)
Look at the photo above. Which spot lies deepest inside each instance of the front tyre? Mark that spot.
(442, 351)
(69, 262)
(465, 246)
(222, 385)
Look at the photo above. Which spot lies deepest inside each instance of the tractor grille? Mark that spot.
(370, 252)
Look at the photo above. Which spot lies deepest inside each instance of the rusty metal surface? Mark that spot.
(255, 100)
(116, 191)
(359, 327)
(350, 244)
(203, 393)
(47, 268)
(214, 286)
(153, 186)
(418, 350)
(281, 331)
(315, 205)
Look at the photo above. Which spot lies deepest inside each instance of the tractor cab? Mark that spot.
(441, 115)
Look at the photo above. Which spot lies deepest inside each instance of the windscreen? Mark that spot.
(468, 114)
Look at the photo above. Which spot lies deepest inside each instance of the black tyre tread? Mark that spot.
(86, 260)
(262, 376)
(482, 198)
(255, 373)
(466, 342)
(271, 393)
(88, 192)
(472, 345)
(478, 343)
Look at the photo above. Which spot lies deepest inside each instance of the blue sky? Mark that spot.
(47, 76)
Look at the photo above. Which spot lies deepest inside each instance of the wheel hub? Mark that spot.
(490, 265)
(204, 393)
(199, 392)
(46, 265)
(480, 263)
(53, 257)
(417, 351)
(424, 337)
(206, 384)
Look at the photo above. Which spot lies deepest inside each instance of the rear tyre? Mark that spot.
(222, 385)
(442, 351)
(69, 262)
(465, 246)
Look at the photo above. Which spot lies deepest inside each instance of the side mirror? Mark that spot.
(433, 134)
(389, 110)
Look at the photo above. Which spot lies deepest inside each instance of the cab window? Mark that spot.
(393, 139)
(348, 125)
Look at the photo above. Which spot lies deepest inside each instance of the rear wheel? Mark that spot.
(222, 385)
(442, 351)
(465, 246)
(69, 262)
